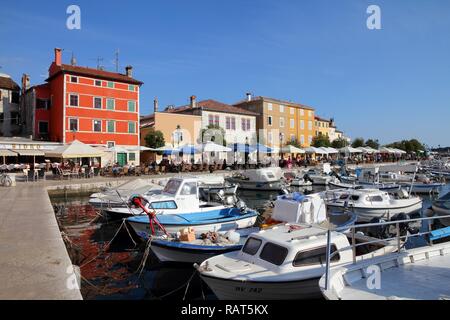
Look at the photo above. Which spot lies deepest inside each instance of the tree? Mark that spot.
(154, 139)
(373, 143)
(412, 145)
(321, 141)
(294, 143)
(339, 143)
(213, 133)
(358, 142)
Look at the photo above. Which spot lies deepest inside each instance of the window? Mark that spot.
(189, 188)
(73, 124)
(111, 126)
(302, 112)
(374, 199)
(42, 104)
(216, 120)
(302, 124)
(210, 119)
(132, 106)
(110, 84)
(15, 97)
(292, 137)
(132, 156)
(310, 113)
(110, 104)
(273, 253)
(131, 87)
(314, 256)
(98, 83)
(270, 137)
(172, 186)
(97, 125)
(233, 123)
(310, 139)
(252, 245)
(269, 107)
(292, 110)
(74, 79)
(243, 126)
(164, 205)
(292, 123)
(281, 122)
(310, 125)
(302, 139)
(228, 123)
(248, 125)
(43, 127)
(97, 103)
(111, 144)
(269, 120)
(73, 101)
(131, 127)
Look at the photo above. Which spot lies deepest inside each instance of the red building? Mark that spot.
(94, 106)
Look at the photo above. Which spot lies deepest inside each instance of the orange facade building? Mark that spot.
(93, 106)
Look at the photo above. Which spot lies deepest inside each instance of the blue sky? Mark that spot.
(389, 84)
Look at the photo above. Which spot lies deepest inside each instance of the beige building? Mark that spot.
(280, 121)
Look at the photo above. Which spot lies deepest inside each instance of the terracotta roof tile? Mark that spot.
(8, 84)
(95, 73)
(288, 103)
(213, 105)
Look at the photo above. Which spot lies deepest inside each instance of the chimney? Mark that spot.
(25, 82)
(155, 105)
(193, 102)
(129, 71)
(249, 96)
(58, 56)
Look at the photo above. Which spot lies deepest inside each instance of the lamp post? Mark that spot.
(281, 142)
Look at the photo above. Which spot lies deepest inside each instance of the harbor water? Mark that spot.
(113, 263)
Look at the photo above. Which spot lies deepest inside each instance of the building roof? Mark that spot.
(285, 102)
(147, 121)
(216, 106)
(321, 119)
(7, 83)
(91, 72)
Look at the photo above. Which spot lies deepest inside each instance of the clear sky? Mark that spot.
(389, 84)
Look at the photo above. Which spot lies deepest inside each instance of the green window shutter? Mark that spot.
(110, 84)
(131, 87)
(110, 104)
(111, 125)
(132, 106)
(131, 127)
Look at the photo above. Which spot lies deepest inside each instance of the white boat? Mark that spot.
(362, 185)
(281, 263)
(265, 179)
(296, 179)
(318, 177)
(181, 195)
(372, 203)
(423, 188)
(414, 274)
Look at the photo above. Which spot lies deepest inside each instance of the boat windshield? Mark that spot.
(252, 246)
(274, 253)
(172, 187)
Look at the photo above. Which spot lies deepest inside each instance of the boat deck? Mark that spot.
(423, 280)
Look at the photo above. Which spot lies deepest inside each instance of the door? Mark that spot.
(122, 159)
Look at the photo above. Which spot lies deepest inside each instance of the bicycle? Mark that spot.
(5, 180)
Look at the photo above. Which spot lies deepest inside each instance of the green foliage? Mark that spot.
(294, 143)
(154, 139)
(321, 141)
(373, 143)
(412, 145)
(213, 133)
(339, 143)
(358, 142)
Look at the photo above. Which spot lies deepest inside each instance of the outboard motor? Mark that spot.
(377, 231)
(241, 205)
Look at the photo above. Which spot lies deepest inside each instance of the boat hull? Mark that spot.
(229, 289)
(441, 211)
(258, 186)
(366, 214)
(188, 255)
(424, 188)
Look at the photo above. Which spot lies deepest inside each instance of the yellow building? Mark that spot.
(280, 121)
(322, 126)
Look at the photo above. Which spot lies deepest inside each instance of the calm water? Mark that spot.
(113, 270)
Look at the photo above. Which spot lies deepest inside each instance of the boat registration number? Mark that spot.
(249, 290)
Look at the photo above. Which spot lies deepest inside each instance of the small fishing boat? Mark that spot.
(295, 179)
(368, 204)
(181, 195)
(442, 208)
(364, 185)
(202, 248)
(423, 188)
(318, 177)
(283, 263)
(220, 218)
(265, 179)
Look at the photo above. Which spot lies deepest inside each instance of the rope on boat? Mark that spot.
(144, 256)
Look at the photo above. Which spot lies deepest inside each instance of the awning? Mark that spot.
(29, 152)
(7, 153)
(76, 149)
